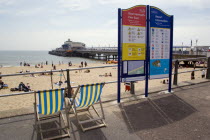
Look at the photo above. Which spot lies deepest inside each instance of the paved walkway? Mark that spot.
(183, 115)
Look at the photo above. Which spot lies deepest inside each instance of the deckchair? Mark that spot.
(89, 95)
(50, 105)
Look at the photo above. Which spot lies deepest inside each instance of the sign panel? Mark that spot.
(135, 67)
(133, 70)
(160, 28)
(134, 33)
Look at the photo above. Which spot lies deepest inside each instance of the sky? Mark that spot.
(47, 24)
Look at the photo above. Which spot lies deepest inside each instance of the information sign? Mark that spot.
(160, 26)
(134, 33)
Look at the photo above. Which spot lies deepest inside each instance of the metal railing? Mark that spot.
(50, 71)
(74, 69)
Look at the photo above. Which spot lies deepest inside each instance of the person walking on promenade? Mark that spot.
(203, 73)
(192, 75)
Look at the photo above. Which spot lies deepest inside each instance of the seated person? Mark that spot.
(87, 71)
(1, 84)
(110, 74)
(106, 75)
(21, 71)
(59, 83)
(28, 86)
(22, 87)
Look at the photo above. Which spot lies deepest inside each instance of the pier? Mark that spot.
(110, 53)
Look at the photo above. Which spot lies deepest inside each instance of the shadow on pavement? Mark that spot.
(154, 113)
(95, 134)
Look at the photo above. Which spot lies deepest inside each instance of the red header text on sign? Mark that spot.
(135, 16)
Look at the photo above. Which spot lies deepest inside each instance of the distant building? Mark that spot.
(67, 48)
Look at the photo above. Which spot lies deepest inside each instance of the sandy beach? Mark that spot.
(25, 102)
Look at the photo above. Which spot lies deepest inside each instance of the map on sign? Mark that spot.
(135, 67)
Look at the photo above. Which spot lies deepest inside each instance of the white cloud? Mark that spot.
(194, 4)
(75, 5)
(7, 2)
(29, 12)
(186, 33)
(111, 23)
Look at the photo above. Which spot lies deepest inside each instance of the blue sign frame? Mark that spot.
(155, 18)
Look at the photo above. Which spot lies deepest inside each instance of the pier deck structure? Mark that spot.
(111, 53)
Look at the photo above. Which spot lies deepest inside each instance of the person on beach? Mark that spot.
(203, 73)
(28, 86)
(46, 62)
(54, 67)
(85, 64)
(110, 74)
(82, 63)
(1, 84)
(70, 64)
(192, 75)
(106, 75)
(23, 87)
(164, 81)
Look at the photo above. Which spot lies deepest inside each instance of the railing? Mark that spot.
(74, 69)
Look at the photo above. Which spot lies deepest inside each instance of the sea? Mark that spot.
(14, 58)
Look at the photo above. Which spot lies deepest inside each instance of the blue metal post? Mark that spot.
(119, 55)
(171, 53)
(147, 54)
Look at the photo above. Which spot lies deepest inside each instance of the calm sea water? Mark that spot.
(13, 58)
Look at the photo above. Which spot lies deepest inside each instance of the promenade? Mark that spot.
(183, 115)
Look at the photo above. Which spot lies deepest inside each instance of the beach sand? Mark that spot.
(24, 103)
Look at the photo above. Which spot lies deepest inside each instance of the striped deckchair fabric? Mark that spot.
(89, 94)
(50, 101)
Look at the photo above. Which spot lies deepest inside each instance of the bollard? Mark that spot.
(176, 72)
(208, 70)
(132, 88)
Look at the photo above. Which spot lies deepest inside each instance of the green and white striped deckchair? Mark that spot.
(90, 94)
(48, 105)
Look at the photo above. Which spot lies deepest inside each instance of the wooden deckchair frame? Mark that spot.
(59, 114)
(100, 118)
